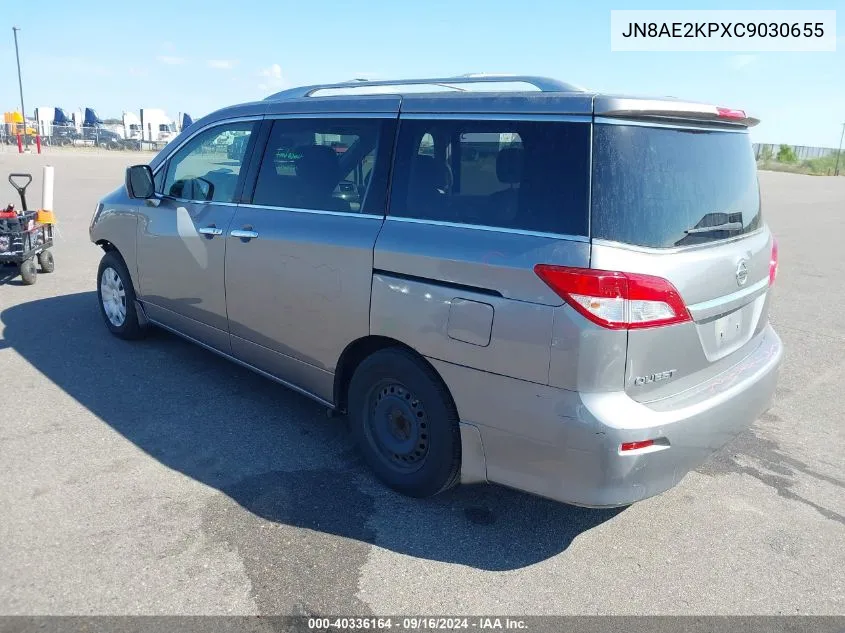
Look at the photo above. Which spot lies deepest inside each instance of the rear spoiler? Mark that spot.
(670, 110)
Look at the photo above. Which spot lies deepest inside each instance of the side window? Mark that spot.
(526, 175)
(158, 179)
(326, 164)
(207, 167)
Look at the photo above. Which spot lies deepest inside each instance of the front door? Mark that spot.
(299, 258)
(182, 240)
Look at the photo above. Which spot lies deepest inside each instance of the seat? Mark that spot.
(504, 204)
(317, 175)
(428, 188)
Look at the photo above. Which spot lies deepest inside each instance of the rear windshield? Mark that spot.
(664, 187)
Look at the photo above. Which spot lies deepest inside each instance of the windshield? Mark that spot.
(663, 187)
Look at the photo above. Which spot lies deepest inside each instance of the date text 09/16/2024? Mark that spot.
(414, 623)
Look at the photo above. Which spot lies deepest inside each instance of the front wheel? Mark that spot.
(29, 273)
(405, 423)
(117, 298)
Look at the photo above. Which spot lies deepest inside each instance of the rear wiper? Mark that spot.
(727, 226)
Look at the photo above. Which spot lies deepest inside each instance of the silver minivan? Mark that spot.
(498, 279)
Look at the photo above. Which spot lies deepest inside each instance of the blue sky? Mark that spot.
(188, 56)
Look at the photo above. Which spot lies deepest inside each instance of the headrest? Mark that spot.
(318, 165)
(426, 171)
(509, 165)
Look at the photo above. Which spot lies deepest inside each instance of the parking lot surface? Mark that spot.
(154, 478)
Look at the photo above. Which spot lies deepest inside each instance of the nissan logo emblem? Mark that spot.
(741, 272)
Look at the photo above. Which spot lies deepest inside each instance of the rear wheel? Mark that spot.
(405, 423)
(45, 260)
(29, 273)
(117, 298)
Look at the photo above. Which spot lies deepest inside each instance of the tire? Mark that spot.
(405, 423)
(29, 274)
(118, 306)
(46, 262)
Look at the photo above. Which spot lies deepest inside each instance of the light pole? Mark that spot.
(839, 152)
(15, 30)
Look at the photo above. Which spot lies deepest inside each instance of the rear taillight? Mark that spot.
(773, 262)
(615, 300)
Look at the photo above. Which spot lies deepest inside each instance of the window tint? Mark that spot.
(527, 175)
(207, 168)
(664, 187)
(326, 164)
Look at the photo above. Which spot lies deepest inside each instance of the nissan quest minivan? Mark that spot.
(498, 279)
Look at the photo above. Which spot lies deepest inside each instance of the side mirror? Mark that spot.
(139, 182)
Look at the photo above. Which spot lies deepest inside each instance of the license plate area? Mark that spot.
(728, 329)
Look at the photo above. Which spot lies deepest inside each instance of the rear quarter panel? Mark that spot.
(432, 282)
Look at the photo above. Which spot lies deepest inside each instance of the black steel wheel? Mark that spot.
(405, 423)
(397, 425)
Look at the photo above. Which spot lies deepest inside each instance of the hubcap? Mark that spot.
(113, 296)
(398, 426)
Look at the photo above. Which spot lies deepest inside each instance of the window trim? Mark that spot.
(270, 207)
(493, 229)
(472, 116)
(165, 164)
(333, 114)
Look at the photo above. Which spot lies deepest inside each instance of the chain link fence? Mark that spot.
(799, 159)
(801, 152)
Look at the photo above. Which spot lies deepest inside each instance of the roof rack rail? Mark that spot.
(544, 84)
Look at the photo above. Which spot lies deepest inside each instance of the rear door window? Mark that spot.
(326, 164)
(664, 187)
(524, 175)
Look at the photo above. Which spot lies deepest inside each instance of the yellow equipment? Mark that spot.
(14, 124)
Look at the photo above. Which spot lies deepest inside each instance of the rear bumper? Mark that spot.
(566, 446)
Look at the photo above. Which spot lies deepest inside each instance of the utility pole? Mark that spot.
(839, 153)
(15, 30)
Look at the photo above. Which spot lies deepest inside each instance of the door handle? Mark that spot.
(211, 231)
(244, 234)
